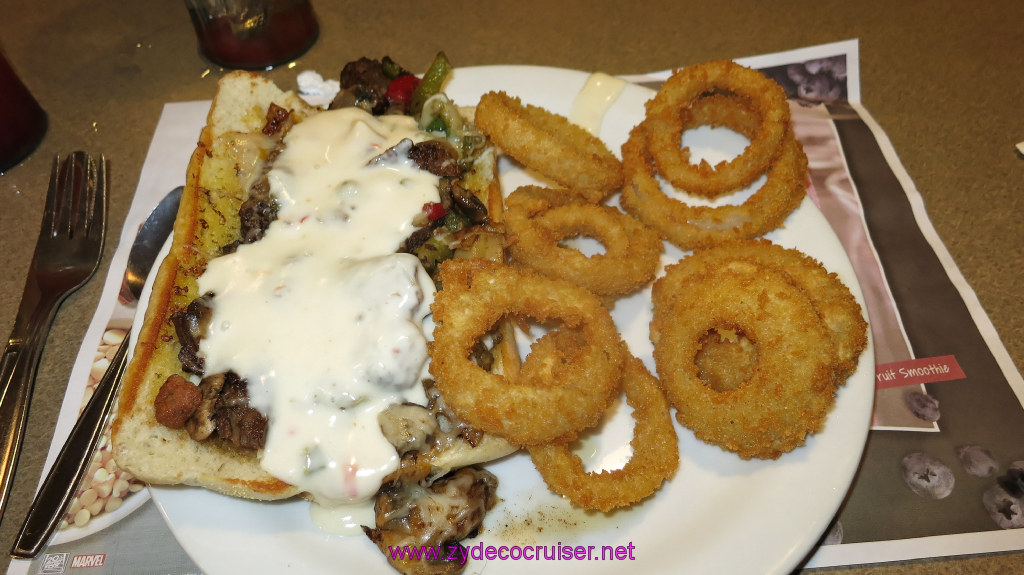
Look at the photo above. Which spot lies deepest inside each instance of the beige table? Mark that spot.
(944, 82)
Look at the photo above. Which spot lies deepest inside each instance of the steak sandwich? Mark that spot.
(283, 352)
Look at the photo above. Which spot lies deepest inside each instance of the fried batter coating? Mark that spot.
(793, 385)
(559, 390)
(550, 144)
(655, 456)
(539, 219)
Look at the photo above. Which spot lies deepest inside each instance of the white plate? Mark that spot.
(720, 514)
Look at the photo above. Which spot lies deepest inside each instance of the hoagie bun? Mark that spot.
(246, 130)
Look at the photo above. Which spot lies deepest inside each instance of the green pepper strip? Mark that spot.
(391, 68)
(431, 83)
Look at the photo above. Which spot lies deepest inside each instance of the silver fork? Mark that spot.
(67, 253)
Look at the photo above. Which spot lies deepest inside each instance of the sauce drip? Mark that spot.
(594, 100)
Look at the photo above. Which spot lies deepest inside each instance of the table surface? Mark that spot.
(942, 79)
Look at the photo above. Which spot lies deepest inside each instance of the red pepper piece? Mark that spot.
(434, 211)
(400, 89)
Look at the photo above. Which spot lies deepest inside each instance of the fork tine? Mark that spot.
(70, 173)
(81, 182)
(52, 195)
(94, 225)
(88, 206)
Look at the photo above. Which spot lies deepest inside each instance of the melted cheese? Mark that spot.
(593, 101)
(321, 317)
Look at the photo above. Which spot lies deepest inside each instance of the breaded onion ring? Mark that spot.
(678, 94)
(689, 226)
(722, 110)
(539, 219)
(838, 309)
(793, 384)
(655, 452)
(550, 144)
(559, 390)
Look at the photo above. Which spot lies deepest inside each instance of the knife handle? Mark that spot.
(66, 473)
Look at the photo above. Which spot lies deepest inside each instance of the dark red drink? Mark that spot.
(253, 35)
(22, 120)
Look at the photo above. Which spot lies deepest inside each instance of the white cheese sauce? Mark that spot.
(321, 317)
(593, 101)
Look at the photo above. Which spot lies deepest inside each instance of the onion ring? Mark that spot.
(722, 110)
(550, 144)
(685, 87)
(688, 226)
(655, 452)
(538, 219)
(550, 401)
(837, 307)
(793, 385)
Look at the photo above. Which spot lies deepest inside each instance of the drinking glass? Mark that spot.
(22, 120)
(253, 34)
